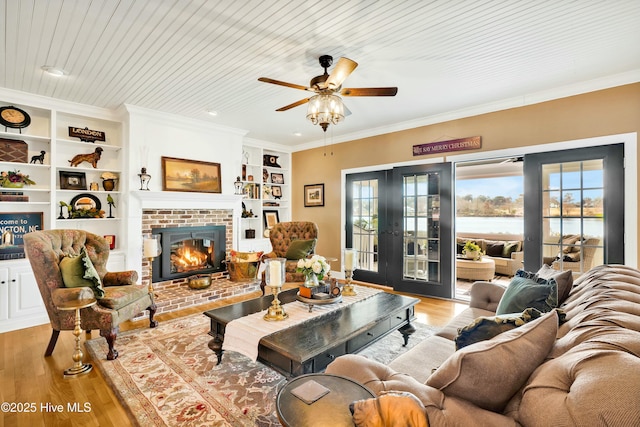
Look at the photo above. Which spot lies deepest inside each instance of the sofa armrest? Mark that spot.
(485, 295)
(120, 278)
(518, 256)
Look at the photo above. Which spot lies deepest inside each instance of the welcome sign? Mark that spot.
(471, 143)
(12, 227)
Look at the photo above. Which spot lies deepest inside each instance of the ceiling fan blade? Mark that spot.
(280, 83)
(340, 72)
(295, 104)
(369, 91)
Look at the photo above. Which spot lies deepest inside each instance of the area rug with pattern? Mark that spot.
(168, 376)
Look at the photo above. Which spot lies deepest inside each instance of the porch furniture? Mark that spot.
(506, 252)
(579, 257)
(482, 269)
(332, 409)
(310, 346)
(122, 299)
(282, 235)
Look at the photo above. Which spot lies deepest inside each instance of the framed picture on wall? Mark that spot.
(314, 195)
(271, 218)
(190, 175)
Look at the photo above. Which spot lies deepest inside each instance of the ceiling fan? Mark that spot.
(326, 106)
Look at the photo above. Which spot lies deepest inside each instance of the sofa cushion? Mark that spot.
(495, 249)
(509, 248)
(564, 279)
(485, 328)
(299, 249)
(78, 271)
(116, 297)
(524, 292)
(488, 373)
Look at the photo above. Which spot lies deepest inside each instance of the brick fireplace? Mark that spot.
(175, 294)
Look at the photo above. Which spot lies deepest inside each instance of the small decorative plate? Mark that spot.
(85, 201)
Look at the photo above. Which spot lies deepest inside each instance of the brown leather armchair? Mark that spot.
(123, 299)
(281, 236)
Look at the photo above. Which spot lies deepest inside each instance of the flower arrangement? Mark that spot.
(14, 179)
(472, 249)
(316, 265)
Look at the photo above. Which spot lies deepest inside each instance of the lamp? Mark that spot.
(150, 249)
(274, 275)
(325, 109)
(238, 186)
(144, 179)
(350, 258)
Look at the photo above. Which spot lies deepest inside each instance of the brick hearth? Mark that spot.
(174, 295)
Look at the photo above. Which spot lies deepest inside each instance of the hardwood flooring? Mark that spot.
(34, 384)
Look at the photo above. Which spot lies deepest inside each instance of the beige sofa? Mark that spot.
(589, 374)
(506, 252)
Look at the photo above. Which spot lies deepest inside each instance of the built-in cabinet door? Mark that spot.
(4, 294)
(24, 296)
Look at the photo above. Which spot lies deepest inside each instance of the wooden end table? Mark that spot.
(332, 409)
(78, 367)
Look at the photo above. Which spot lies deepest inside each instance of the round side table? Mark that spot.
(78, 367)
(332, 409)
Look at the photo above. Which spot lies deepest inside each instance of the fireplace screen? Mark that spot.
(189, 250)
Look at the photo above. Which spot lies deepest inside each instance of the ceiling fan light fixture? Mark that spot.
(325, 109)
(53, 71)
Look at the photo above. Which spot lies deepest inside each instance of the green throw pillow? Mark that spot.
(509, 248)
(299, 249)
(485, 328)
(524, 292)
(78, 271)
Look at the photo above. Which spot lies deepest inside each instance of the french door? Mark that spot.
(574, 208)
(400, 222)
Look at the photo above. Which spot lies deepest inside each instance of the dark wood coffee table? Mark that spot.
(310, 346)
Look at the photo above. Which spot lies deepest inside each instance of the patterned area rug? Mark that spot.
(168, 376)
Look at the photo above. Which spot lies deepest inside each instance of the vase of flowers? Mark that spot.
(472, 251)
(14, 179)
(314, 269)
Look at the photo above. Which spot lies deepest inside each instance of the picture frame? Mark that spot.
(73, 180)
(111, 239)
(276, 191)
(190, 176)
(14, 226)
(313, 195)
(271, 218)
(277, 178)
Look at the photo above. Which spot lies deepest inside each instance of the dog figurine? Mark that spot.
(39, 158)
(89, 158)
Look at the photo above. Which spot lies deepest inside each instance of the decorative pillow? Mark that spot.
(489, 373)
(459, 248)
(525, 292)
(568, 241)
(245, 256)
(495, 249)
(299, 249)
(564, 279)
(571, 257)
(78, 271)
(485, 328)
(509, 248)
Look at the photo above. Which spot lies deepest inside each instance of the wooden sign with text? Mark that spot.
(471, 143)
(86, 134)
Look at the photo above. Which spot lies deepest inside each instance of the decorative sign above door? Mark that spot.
(471, 143)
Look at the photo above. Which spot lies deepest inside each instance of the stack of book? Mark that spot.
(13, 196)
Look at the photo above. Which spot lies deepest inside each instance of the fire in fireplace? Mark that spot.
(189, 250)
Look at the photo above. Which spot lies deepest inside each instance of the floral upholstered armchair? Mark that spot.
(292, 240)
(119, 298)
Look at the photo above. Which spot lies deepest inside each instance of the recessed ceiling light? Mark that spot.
(54, 71)
(212, 112)
(297, 133)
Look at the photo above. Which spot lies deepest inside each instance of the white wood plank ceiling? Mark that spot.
(190, 56)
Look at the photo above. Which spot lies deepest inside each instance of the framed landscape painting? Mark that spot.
(190, 175)
(314, 195)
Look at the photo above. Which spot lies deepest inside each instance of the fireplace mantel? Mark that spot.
(186, 200)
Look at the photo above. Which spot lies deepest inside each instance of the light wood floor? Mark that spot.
(32, 381)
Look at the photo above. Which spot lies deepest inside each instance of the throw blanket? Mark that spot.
(244, 334)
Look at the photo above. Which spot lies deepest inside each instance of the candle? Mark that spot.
(275, 273)
(349, 259)
(150, 248)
